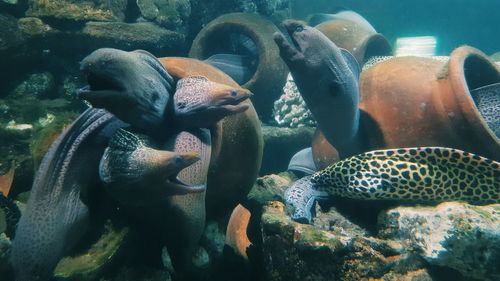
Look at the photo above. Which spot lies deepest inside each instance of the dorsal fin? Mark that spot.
(125, 140)
(351, 62)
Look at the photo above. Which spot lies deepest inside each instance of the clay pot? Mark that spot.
(236, 232)
(415, 101)
(270, 75)
(361, 43)
(237, 143)
(324, 153)
(495, 56)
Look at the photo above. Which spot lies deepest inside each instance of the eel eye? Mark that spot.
(234, 93)
(299, 28)
(178, 160)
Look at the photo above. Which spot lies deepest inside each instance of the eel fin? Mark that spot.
(7, 179)
(125, 141)
(303, 161)
(351, 62)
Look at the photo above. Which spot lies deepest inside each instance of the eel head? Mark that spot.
(134, 86)
(129, 160)
(201, 103)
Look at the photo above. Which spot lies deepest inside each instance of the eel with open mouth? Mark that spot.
(134, 86)
(327, 78)
(137, 174)
(200, 103)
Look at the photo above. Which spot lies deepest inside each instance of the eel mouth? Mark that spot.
(234, 103)
(101, 88)
(177, 186)
(291, 27)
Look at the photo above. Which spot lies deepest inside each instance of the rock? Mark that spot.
(37, 85)
(294, 251)
(280, 144)
(73, 10)
(201, 258)
(456, 235)
(280, 9)
(172, 14)
(10, 36)
(18, 131)
(132, 36)
(290, 110)
(270, 188)
(213, 239)
(32, 28)
(69, 86)
(5, 270)
(3, 222)
(97, 258)
(202, 11)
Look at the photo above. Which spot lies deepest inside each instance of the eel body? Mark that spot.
(57, 210)
(426, 174)
(327, 78)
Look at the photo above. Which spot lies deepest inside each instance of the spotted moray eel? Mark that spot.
(425, 174)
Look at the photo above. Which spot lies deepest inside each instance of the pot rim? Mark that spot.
(460, 86)
(245, 24)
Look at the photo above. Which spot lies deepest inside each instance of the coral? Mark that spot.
(290, 109)
(36, 85)
(456, 235)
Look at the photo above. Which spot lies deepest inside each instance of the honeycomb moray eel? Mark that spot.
(487, 99)
(425, 174)
(11, 213)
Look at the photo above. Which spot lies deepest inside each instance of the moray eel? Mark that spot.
(187, 212)
(327, 78)
(487, 100)
(134, 86)
(134, 176)
(57, 212)
(200, 103)
(137, 174)
(426, 174)
(11, 213)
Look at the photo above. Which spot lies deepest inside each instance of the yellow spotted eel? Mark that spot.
(424, 174)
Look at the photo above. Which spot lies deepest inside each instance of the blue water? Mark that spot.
(454, 22)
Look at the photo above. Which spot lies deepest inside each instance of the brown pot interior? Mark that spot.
(478, 72)
(376, 45)
(224, 39)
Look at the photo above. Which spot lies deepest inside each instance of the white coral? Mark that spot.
(290, 110)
